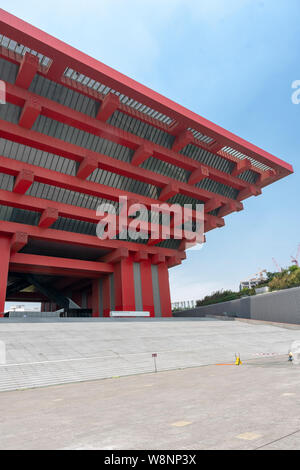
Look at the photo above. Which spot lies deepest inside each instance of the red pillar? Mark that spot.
(5, 243)
(147, 287)
(164, 290)
(124, 285)
(106, 295)
(96, 298)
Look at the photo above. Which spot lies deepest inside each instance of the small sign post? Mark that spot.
(154, 355)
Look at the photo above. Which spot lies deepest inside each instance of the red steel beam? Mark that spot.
(73, 152)
(64, 55)
(68, 116)
(241, 166)
(20, 262)
(31, 110)
(184, 138)
(51, 210)
(72, 183)
(141, 154)
(158, 258)
(60, 236)
(27, 70)
(48, 217)
(50, 144)
(247, 192)
(199, 174)
(174, 128)
(18, 241)
(109, 105)
(213, 204)
(265, 178)
(174, 261)
(87, 166)
(24, 179)
(140, 256)
(228, 208)
(116, 255)
(169, 191)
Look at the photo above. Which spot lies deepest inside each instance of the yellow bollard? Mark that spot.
(238, 361)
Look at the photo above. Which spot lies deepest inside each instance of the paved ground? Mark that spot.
(254, 406)
(54, 352)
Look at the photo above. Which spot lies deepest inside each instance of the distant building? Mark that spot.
(249, 284)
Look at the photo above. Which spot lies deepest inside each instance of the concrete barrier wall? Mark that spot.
(281, 306)
(33, 314)
(239, 308)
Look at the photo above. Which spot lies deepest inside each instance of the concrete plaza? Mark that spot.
(195, 401)
(253, 406)
(50, 352)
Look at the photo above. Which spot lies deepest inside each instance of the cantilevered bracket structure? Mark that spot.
(78, 134)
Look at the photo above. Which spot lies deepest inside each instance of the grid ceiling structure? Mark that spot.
(86, 108)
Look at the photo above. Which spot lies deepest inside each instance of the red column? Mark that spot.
(106, 295)
(147, 287)
(164, 290)
(124, 285)
(5, 243)
(96, 298)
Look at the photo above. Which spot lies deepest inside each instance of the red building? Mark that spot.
(75, 133)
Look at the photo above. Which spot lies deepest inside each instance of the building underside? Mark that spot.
(74, 134)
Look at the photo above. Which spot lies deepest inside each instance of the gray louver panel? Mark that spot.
(208, 158)
(19, 216)
(74, 136)
(218, 188)
(81, 138)
(102, 88)
(124, 183)
(141, 129)
(77, 226)
(249, 176)
(36, 157)
(79, 102)
(10, 112)
(241, 156)
(166, 169)
(65, 196)
(6, 213)
(19, 49)
(201, 137)
(171, 244)
(140, 241)
(63, 95)
(183, 199)
(6, 182)
(63, 165)
(8, 71)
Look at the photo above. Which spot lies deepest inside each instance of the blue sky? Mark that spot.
(231, 61)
